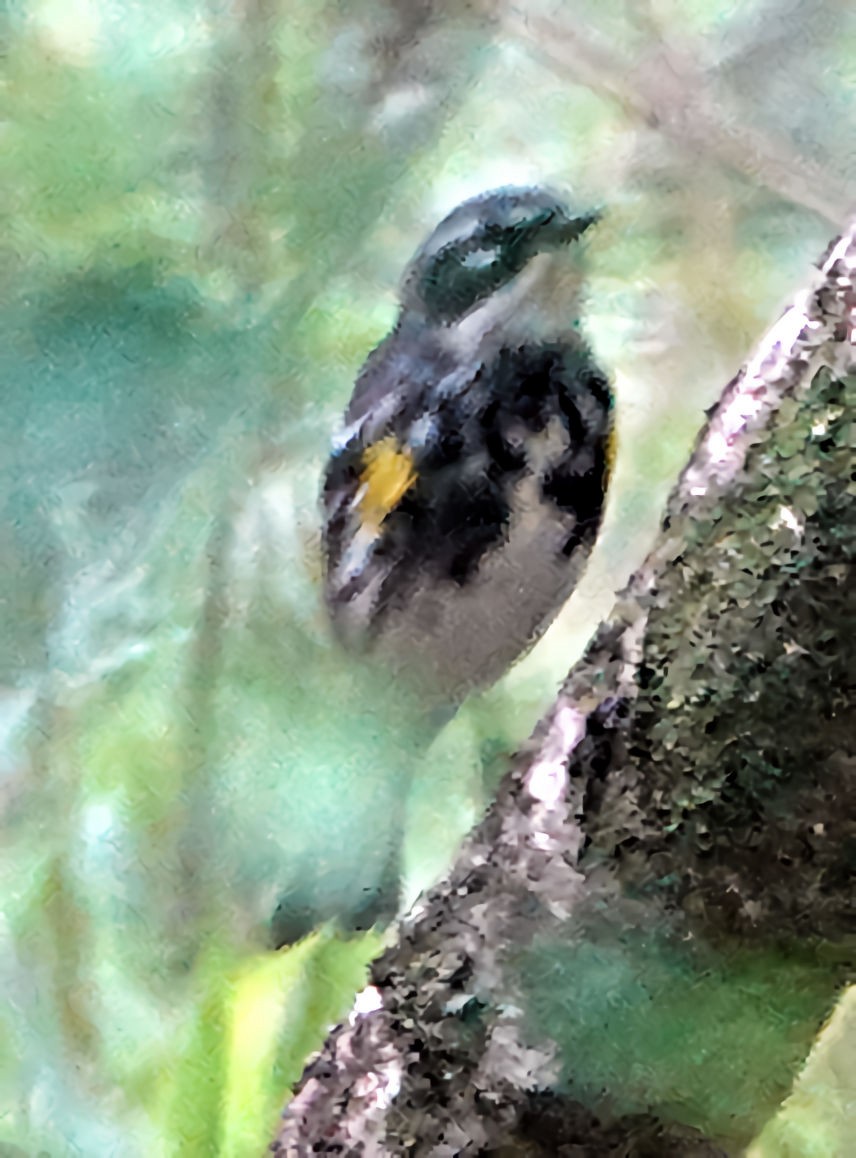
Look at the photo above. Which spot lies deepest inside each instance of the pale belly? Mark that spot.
(453, 638)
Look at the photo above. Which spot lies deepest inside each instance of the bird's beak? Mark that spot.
(563, 229)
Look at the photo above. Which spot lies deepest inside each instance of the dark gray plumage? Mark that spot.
(468, 484)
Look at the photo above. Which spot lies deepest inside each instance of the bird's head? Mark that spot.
(482, 246)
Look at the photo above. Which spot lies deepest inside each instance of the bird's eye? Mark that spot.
(481, 258)
(456, 281)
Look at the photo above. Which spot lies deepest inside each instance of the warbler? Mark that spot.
(466, 487)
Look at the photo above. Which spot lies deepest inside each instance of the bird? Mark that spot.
(463, 491)
(467, 482)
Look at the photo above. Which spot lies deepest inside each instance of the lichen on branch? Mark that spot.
(701, 754)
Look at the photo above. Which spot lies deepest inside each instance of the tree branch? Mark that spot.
(703, 749)
(668, 90)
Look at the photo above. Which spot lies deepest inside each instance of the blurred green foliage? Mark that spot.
(207, 207)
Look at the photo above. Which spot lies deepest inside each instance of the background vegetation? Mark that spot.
(208, 205)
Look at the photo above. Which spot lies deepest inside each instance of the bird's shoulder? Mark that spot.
(408, 362)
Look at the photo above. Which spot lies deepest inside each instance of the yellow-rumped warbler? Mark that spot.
(467, 486)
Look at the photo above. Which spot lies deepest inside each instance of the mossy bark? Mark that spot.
(697, 775)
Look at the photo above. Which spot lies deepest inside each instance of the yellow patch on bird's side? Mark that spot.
(611, 448)
(388, 474)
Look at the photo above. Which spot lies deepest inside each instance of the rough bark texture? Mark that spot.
(703, 749)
